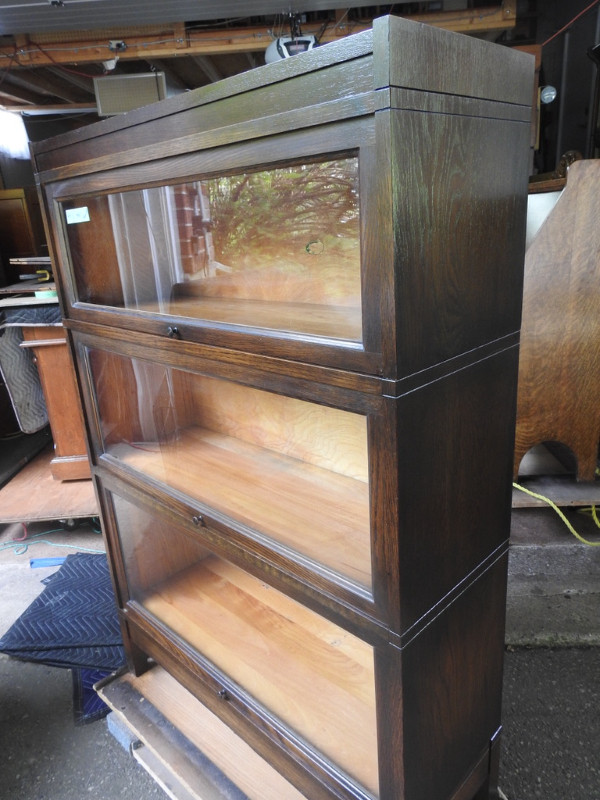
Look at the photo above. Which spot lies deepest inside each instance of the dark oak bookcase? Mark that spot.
(294, 301)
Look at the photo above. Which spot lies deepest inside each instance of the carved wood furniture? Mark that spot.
(294, 300)
(559, 367)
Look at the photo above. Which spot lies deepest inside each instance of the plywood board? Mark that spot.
(33, 494)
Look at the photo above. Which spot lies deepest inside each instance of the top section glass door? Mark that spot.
(276, 249)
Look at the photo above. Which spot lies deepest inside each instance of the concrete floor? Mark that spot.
(551, 714)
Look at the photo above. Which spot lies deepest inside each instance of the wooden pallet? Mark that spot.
(185, 747)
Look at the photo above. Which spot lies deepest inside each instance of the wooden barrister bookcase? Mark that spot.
(294, 302)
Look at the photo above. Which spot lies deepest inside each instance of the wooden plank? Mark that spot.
(315, 511)
(173, 40)
(28, 286)
(33, 495)
(563, 490)
(164, 777)
(139, 700)
(314, 676)
(559, 363)
(7, 302)
(336, 322)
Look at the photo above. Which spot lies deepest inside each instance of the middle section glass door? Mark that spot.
(291, 471)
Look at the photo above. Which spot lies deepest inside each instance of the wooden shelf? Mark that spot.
(314, 511)
(314, 676)
(312, 319)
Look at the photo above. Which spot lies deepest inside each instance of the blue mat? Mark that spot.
(74, 624)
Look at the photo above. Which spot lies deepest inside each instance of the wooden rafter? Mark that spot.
(170, 41)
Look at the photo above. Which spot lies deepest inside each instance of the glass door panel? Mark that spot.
(277, 249)
(317, 678)
(286, 469)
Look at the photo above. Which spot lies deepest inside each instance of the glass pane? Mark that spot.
(287, 469)
(276, 249)
(317, 678)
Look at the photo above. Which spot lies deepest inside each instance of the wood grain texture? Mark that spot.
(33, 494)
(48, 156)
(451, 518)
(453, 203)
(231, 754)
(57, 376)
(92, 254)
(270, 125)
(492, 73)
(314, 676)
(315, 512)
(361, 604)
(559, 367)
(330, 438)
(452, 679)
(323, 320)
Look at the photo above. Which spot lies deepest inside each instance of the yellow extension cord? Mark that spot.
(591, 510)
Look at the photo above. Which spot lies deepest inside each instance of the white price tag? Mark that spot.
(75, 215)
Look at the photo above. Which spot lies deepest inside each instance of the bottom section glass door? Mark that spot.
(314, 676)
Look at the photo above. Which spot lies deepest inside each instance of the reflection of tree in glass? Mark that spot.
(276, 214)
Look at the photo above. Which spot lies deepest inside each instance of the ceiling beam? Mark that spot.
(176, 40)
(10, 98)
(85, 84)
(33, 83)
(205, 64)
(156, 65)
(53, 109)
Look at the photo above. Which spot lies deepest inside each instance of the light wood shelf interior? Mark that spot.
(315, 677)
(314, 511)
(341, 322)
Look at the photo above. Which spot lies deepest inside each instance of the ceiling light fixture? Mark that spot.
(287, 46)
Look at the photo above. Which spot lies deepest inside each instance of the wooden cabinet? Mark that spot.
(55, 367)
(294, 299)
